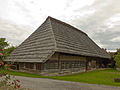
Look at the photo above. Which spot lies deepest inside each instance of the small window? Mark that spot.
(65, 65)
(53, 65)
(31, 66)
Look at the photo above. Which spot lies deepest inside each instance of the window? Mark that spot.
(45, 66)
(31, 65)
(27, 65)
(78, 64)
(65, 65)
(53, 65)
(82, 64)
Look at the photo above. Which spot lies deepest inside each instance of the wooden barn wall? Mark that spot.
(67, 57)
(30, 67)
(60, 62)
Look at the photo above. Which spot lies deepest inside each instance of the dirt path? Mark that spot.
(49, 84)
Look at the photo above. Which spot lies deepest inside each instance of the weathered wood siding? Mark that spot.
(68, 57)
(60, 62)
(30, 67)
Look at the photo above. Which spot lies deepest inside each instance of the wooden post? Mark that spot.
(70, 63)
(59, 62)
(18, 66)
(34, 66)
(86, 63)
(49, 65)
(42, 66)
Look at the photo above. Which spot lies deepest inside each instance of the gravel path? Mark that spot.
(50, 84)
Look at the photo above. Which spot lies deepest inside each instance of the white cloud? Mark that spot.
(13, 33)
(116, 39)
(114, 21)
(33, 12)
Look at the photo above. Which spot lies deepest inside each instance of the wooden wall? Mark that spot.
(65, 57)
(30, 67)
(62, 63)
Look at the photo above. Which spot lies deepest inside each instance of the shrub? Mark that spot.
(6, 79)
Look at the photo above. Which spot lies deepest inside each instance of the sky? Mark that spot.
(100, 19)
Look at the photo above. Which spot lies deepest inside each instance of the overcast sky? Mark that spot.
(100, 19)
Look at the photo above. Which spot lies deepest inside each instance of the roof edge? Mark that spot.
(49, 56)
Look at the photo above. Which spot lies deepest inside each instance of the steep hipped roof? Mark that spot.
(55, 36)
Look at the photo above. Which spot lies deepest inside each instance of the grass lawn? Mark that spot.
(105, 77)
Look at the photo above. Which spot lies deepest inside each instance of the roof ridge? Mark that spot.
(68, 25)
(52, 32)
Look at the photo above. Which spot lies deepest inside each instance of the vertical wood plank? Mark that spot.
(59, 61)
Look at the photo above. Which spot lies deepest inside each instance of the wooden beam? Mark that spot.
(59, 62)
(86, 63)
(42, 66)
(34, 66)
(70, 64)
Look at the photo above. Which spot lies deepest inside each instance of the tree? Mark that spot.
(118, 50)
(3, 43)
(9, 50)
(5, 48)
(7, 81)
(117, 58)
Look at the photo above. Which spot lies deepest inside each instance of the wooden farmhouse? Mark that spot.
(57, 47)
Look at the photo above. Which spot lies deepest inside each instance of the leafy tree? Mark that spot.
(9, 50)
(117, 58)
(7, 81)
(118, 50)
(3, 43)
(5, 49)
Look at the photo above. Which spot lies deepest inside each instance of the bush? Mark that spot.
(5, 79)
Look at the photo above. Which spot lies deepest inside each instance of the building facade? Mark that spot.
(57, 47)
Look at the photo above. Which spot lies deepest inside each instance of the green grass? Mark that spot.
(25, 74)
(105, 77)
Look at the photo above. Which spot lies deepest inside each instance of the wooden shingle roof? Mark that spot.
(55, 36)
